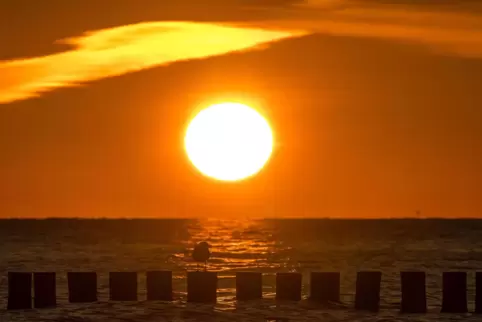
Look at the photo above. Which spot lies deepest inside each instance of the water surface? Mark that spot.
(269, 246)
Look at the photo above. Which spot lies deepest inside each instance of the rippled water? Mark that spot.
(268, 246)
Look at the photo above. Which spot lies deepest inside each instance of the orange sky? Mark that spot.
(375, 107)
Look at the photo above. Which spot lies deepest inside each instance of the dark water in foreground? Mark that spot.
(269, 246)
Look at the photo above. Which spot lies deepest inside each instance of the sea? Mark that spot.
(245, 244)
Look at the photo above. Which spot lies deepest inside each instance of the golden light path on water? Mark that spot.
(236, 245)
(242, 244)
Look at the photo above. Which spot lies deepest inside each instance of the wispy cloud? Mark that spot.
(119, 50)
(116, 51)
(453, 29)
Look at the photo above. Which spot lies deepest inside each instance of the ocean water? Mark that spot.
(269, 246)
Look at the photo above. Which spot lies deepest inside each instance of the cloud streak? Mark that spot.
(129, 48)
(116, 51)
(445, 29)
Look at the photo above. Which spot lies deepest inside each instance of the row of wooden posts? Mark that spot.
(202, 288)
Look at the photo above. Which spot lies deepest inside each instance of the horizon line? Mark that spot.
(241, 218)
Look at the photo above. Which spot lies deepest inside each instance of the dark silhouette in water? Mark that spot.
(201, 253)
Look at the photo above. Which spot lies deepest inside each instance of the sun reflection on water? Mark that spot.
(239, 244)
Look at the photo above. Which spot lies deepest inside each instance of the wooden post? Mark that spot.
(159, 285)
(82, 287)
(44, 290)
(478, 292)
(414, 299)
(288, 286)
(19, 291)
(202, 287)
(123, 286)
(249, 286)
(367, 295)
(454, 292)
(325, 287)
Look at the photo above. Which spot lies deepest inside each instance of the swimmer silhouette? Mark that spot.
(201, 253)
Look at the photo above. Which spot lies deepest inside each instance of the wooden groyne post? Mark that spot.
(478, 292)
(414, 298)
(202, 287)
(367, 293)
(325, 287)
(44, 288)
(82, 287)
(123, 286)
(249, 286)
(19, 291)
(159, 285)
(288, 286)
(454, 292)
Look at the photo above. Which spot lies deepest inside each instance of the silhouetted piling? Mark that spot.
(414, 299)
(82, 287)
(288, 286)
(249, 286)
(202, 287)
(44, 290)
(123, 286)
(478, 292)
(325, 287)
(454, 292)
(367, 295)
(19, 291)
(159, 285)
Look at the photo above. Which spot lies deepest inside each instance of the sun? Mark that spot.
(229, 141)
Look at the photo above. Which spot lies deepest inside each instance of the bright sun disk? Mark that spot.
(228, 141)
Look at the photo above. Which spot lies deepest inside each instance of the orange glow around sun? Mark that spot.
(229, 141)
